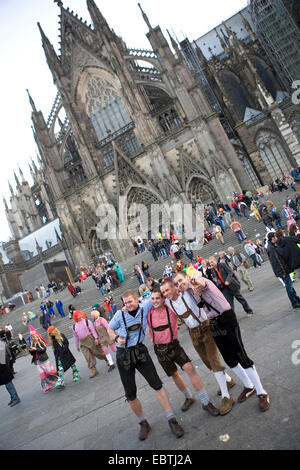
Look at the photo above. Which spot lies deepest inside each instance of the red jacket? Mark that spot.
(71, 289)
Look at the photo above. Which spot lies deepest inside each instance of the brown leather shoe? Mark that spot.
(246, 393)
(145, 429)
(187, 404)
(226, 405)
(176, 428)
(94, 373)
(211, 409)
(264, 402)
(229, 386)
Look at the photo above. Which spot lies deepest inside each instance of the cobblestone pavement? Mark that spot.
(93, 414)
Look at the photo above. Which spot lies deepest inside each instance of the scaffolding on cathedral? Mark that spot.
(279, 36)
(195, 66)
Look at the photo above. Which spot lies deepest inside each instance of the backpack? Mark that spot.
(244, 263)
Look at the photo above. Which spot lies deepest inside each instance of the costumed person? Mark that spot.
(63, 356)
(71, 309)
(108, 306)
(40, 358)
(59, 306)
(6, 375)
(50, 308)
(33, 330)
(101, 310)
(227, 335)
(101, 326)
(23, 345)
(86, 340)
(163, 330)
(128, 328)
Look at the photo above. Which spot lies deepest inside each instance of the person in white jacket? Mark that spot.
(250, 250)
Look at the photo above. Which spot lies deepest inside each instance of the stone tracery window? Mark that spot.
(248, 168)
(201, 192)
(273, 155)
(105, 107)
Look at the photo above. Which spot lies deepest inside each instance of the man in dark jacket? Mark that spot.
(280, 267)
(288, 249)
(6, 375)
(225, 279)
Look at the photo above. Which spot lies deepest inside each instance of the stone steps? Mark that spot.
(90, 294)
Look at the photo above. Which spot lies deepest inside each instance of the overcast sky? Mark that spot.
(23, 63)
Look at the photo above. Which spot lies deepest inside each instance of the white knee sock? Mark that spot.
(227, 377)
(242, 375)
(254, 377)
(109, 359)
(220, 378)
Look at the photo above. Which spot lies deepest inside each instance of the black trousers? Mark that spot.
(227, 335)
(146, 368)
(230, 296)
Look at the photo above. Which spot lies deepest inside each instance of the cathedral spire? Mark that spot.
(50, 53)
(22, 175)
(222, 42)
(5, 204)
(17, 180)
(226, 38)
(11, 189)
(174, 44)
(34, 166)
(31, 101)
(97, 17)
(146, 19)
(248, 27)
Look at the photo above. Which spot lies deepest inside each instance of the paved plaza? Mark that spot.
(93, 414)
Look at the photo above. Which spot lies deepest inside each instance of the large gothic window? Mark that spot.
(235, 92)
(266, 76)
(273, 155)
(105, 107)
(248, 168)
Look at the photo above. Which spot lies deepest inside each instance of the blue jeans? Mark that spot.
(240, 236)
(291, 291)
(12, 391)
(163, 252)
(102, 290)
(278, 224)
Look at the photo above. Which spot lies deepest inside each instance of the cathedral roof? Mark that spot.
(44, 234)
(209, 40)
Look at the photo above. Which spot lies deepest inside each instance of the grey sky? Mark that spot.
(23, 63)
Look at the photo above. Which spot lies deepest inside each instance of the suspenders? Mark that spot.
(187, 313)
(131, 328)
(162, 327)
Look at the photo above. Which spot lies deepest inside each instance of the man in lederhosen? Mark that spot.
(184, 305)
(227, 335)
(127, 328)
(163, 330)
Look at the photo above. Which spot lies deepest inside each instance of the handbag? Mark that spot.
(246, 264)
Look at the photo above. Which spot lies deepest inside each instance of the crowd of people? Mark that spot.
(199, 293)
